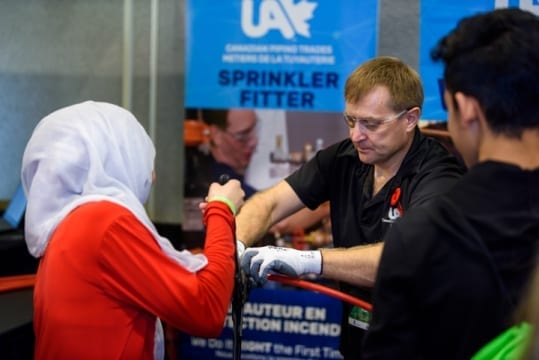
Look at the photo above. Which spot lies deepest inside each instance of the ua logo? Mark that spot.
(283, 15)
(393, 214)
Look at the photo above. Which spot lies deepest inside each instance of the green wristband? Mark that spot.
(226, 201)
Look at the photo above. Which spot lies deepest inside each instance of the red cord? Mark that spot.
(321, 289)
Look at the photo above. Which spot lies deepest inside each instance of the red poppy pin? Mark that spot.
(395, 197)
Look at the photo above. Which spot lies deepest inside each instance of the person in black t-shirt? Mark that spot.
(233, 140)
(383, 169)
(452, 273)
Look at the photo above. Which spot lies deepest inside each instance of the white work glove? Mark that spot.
(240, 248)
(259, 262)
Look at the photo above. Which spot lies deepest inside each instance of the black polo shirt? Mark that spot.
(336, 174)
(453, 272)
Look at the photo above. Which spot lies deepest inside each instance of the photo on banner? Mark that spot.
(286, 62)
(436, 19)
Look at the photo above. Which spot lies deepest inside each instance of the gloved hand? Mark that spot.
(259, 262)
(240, 248)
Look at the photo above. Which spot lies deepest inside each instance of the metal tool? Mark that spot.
(239, 294)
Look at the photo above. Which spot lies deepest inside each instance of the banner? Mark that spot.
(436, 20)
(276, 54)
(277, 324)
(286, 60)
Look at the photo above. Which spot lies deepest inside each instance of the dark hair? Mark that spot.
(217, 117)
(494, 57)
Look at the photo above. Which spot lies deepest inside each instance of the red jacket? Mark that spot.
(103, 281)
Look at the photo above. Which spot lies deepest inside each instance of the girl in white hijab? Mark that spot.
(105, 272)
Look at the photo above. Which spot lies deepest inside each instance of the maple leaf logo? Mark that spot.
(299, 14)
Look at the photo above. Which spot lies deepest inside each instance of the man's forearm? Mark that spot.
(301, 219)
(253, 220)
(357, 265)
(263, 210)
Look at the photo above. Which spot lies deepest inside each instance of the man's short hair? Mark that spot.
(403, 82)
(217, 117)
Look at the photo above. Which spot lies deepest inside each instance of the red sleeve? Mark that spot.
(136, 271)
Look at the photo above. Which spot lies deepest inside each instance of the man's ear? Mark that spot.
(412, 118)
(468, 108)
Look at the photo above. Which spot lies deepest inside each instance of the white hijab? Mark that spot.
(89, 152)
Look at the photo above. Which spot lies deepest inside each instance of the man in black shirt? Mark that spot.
(385, 168)
(233, 140)
(452, 272)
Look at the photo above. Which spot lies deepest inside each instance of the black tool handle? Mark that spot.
(238, 295)
(223, 179)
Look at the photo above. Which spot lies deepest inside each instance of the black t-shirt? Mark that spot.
(452, 272)
(336, 174)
